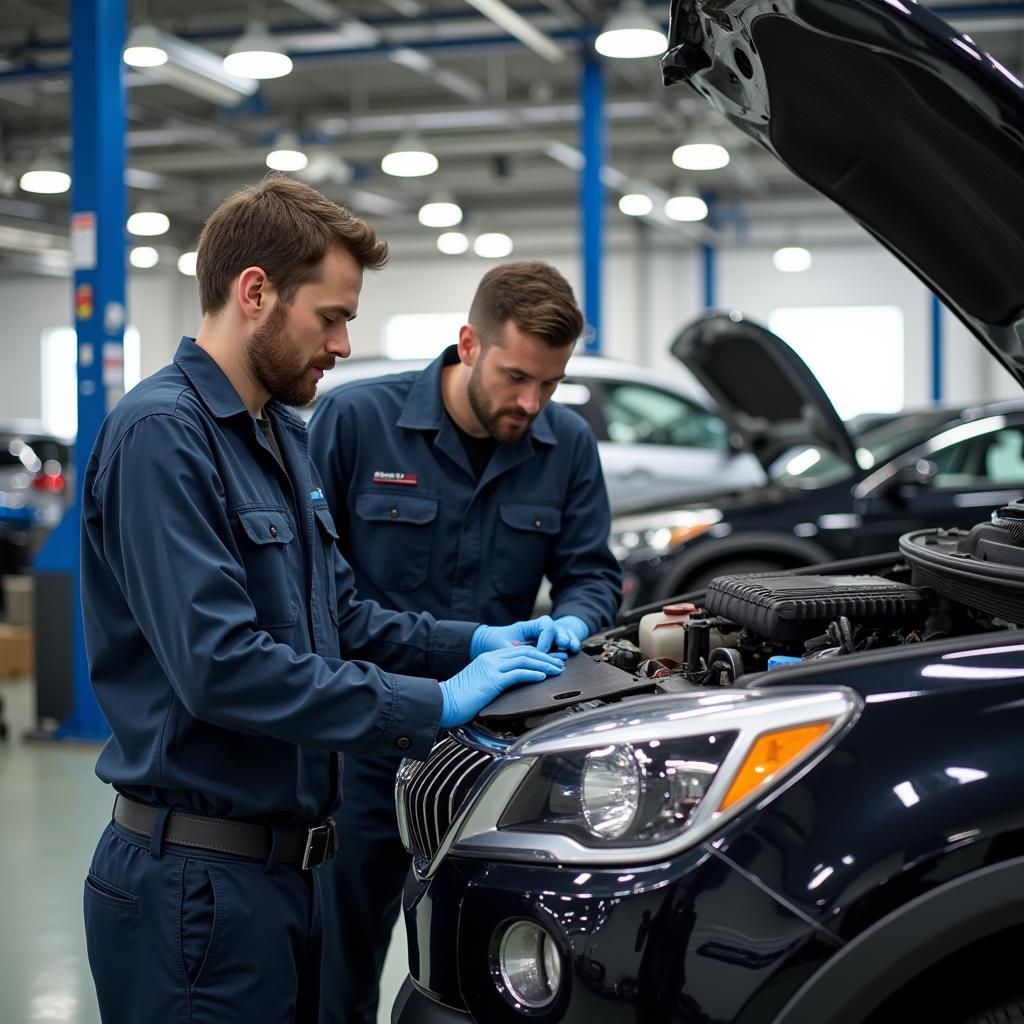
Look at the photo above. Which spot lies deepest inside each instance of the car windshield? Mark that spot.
(808, 468)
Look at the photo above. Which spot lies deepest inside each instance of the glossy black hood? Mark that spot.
(895, 116)
(761, 386)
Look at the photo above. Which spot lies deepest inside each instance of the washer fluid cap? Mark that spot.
(679, 609)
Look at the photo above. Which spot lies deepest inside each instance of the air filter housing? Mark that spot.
(795, 608)
(982, 568)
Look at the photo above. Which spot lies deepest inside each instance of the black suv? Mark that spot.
(814, 813)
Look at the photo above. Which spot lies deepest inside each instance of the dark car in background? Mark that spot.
(34, 491)
(813, 815)
(830, 493)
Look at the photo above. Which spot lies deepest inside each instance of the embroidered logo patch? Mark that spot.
(383, 476)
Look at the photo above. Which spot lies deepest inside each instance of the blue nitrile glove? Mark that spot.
(490, 674)
(566, 633)
(570, 632)
(493, 638)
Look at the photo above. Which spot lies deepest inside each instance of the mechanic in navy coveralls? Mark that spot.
(455, 490)
(227, 647)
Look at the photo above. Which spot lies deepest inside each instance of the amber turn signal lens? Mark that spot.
(772, 752)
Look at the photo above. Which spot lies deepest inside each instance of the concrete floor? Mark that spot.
(54, 810)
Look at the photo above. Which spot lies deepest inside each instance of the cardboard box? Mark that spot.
(18, 600)
(16, 652)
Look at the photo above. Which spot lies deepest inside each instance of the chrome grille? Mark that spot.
(431, 793)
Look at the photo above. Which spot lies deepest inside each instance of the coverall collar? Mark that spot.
(424, 408)
(213, 387)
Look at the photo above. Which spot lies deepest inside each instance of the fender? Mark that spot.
(706, 551)
(901, 945)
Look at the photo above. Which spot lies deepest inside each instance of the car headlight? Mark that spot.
(657, 775)
(658, 533)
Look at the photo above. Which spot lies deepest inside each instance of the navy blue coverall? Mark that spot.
(421, 532)
(218, 613)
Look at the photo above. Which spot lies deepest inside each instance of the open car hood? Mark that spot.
(761, 386)
(895, 116)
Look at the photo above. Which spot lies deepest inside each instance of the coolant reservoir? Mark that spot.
(663, 634)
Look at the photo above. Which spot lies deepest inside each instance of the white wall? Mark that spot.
(161, 304)
(651, 288)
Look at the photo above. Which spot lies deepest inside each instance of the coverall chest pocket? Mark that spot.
(522, 538)
(392, 538)
(325, 558)
(266, 542)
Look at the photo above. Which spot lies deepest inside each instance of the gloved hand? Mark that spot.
(566, 632)
(493, 638)
(489, 675)
(570, 632)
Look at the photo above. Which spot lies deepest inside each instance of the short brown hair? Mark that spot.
(534, 296)
(284, 227)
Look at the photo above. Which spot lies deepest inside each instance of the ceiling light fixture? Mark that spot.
(440, 213)
(631, 33)
(144, 48)
(148, 222)
(409, 159)
(452, 243)
(686, 208)
(256, 55)
(45, 176)
(198, 71)
(492, 245)
(700, 156)
(791, 259)
(143, 257)
(187, 263)
(286, 155)
(636, 204)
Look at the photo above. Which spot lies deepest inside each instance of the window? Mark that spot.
(420, 335)
(60, 376)
(856, 353)
(1004, 457)
(638, 414)
(995, 458)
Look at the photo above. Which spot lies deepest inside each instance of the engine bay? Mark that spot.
(942, 584)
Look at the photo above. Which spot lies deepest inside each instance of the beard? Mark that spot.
(275, 364)
(490, 416)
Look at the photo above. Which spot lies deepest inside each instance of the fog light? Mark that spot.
(529, 963)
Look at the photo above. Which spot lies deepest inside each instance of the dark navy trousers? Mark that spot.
(362, 892)
(199, 938)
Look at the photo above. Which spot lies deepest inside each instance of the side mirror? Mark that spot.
(912, 477)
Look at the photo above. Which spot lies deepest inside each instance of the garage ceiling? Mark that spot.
(502, 119)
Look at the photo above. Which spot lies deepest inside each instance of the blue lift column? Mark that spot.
(709, 259)
(98, 257)
(592, 193)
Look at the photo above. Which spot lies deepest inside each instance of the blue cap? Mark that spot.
(782, 660)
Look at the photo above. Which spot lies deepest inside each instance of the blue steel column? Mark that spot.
(591, 194)
(709, 259)
(936, 318)
(98, 254)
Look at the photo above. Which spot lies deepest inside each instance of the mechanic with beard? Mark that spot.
(456, 490)
(226, 646)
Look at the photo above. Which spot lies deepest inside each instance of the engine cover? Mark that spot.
(795, 608)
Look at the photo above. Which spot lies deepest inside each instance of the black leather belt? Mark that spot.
(304, 848)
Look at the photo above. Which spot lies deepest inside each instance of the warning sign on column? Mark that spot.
(113, 365)
(83, 240)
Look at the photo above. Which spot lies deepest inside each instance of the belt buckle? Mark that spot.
(321, 844)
